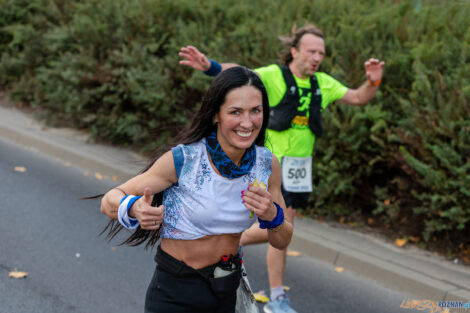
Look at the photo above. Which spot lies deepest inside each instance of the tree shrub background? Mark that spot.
(111, 67)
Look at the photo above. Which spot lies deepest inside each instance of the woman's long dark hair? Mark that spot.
(201, 126)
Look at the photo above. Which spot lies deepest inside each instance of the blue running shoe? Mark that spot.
(280, 305)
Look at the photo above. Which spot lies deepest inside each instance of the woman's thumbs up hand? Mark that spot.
(149, 217)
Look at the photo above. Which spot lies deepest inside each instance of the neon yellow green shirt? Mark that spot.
(297, 141)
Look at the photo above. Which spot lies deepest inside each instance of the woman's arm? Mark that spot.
(260, 201)
(161, 175)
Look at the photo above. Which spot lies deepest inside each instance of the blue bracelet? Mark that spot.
(123, 212)
(276, 221)
(131, 202)
(215, 68)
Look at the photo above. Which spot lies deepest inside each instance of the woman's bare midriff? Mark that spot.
(204, 251)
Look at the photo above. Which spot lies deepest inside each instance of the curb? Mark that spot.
(70, 145)
(421, 276)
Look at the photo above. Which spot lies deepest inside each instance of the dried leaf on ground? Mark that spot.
(339, 269)
(20, 169)
(400, 242)
(260, 297)
(86, 174)
(67, 164)
(17, 274)
(286, 288)
(414, 239)
(466, 252)
(293, 253)
(115, 178)
(98, 176)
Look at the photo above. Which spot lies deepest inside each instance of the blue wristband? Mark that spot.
(276, 221)
(215, 68)
(123, 212)
(131, 202)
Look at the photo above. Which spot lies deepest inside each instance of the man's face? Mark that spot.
(309, 54)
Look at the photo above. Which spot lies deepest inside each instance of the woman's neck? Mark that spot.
(235, 155)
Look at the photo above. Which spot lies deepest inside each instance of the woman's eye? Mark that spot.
(256, 110)
(235, 112)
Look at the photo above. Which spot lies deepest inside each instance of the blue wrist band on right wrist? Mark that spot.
(215, 68)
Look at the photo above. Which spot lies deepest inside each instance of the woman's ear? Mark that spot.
(215, 120)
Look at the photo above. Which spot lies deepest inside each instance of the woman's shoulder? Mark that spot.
(264, 157)
(190, 147)
(263, 151)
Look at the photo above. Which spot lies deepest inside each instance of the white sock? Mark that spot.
(276, 292)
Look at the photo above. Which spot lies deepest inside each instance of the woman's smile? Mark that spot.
(239, 120)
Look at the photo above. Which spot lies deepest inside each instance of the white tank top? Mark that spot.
(203, 202)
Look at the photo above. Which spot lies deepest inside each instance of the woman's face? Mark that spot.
(239, 119)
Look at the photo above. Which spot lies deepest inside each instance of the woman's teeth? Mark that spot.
(243, 134)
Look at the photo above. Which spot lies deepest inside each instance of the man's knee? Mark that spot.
(254, 235)
(290, 214)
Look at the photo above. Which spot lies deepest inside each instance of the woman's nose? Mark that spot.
(246, 121)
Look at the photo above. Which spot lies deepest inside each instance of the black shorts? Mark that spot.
(185, 292)
(297, 200)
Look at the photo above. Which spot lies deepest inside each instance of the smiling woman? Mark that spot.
(209, 195)
(239, 120)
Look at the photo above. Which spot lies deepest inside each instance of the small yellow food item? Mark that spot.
(257, 183)
(261, 297)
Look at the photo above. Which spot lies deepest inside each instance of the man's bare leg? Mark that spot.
(276, 259)
(254, 235)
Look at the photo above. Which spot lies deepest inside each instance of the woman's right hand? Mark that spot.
(194, 58)
(149, 217)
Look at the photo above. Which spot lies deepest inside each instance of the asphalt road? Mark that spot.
(48, 232)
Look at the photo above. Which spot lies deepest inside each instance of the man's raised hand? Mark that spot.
(194, 58)
(374, 69)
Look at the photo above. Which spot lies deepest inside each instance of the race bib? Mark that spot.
(297, 174)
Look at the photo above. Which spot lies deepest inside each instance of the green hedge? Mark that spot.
(111, 66)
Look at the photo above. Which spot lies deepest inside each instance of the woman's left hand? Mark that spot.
(258, 200)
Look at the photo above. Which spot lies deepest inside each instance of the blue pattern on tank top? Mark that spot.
(194, 206)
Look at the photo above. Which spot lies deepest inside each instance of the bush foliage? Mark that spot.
(111, 66)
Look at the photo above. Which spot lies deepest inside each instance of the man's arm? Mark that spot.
(363, 94)
(198, 61)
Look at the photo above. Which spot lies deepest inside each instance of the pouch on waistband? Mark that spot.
(227, 274)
